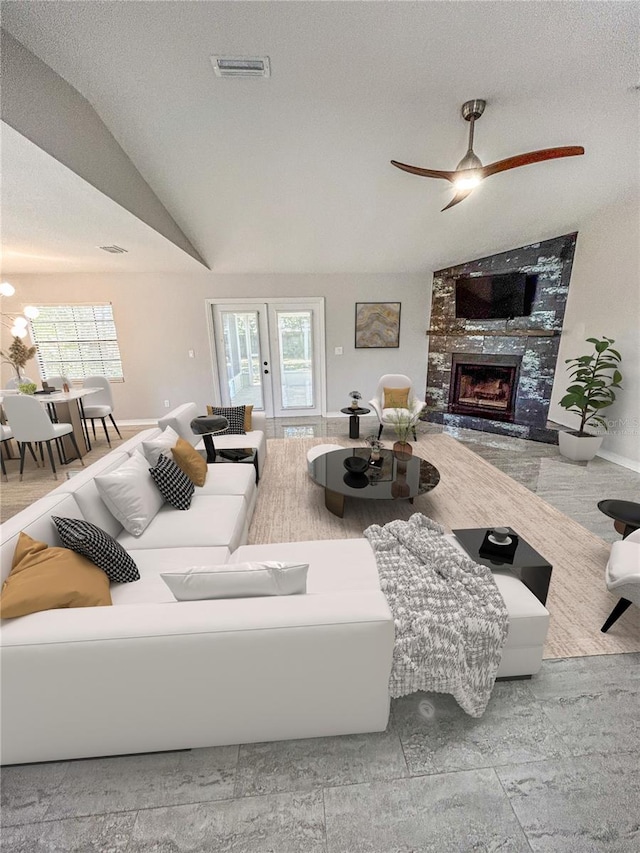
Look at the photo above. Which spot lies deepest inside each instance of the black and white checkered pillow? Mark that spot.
(173, 484)
(96, 545)
(235, 416)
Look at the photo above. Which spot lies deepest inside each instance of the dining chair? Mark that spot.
(30, 423)
(100, 404)
(58, 382)
(5, 435)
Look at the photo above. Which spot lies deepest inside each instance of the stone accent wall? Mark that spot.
(552, 261)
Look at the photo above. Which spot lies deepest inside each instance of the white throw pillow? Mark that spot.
(162, 443)
(237, 580)
(130, 494)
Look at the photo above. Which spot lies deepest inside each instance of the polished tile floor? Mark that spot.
(551, 766)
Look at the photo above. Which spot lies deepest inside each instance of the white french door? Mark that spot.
(270, 354)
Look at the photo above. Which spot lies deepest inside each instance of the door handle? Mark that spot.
(266, 371)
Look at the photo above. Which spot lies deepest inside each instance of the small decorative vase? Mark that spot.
(402, 450)
(354, 404)
(375, 455)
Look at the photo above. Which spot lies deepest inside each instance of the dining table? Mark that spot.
(68, 407)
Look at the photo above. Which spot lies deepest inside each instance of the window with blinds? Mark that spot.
(77, 341)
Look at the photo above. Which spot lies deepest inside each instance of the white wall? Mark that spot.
(160, 317)
(604, 299)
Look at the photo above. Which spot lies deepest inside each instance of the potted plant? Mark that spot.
(403, 422)
(593, 377)
(17, 356)
(355, 396)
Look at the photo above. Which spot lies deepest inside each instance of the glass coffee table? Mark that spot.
(392, 479)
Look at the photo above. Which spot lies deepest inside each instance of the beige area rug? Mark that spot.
(471, 493)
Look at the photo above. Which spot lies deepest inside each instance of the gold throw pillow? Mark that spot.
(190, 461)
(44, 578)
(396, 398)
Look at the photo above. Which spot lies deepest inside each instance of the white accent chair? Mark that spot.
(394, 380)
(623, 576)
(5, 435)
(58, 382)
(101, 405)
(30, 423)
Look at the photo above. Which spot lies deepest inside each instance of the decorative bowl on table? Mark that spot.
(356, 464)
(356, 480)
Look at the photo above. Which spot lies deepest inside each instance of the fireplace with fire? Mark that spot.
(484, 385)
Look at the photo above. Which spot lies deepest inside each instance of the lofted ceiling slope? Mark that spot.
(291, 174)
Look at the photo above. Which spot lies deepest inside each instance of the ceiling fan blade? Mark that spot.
(531, 157)
(424, 173)
(458, 197)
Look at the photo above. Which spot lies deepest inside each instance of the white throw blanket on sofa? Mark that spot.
(450, 619)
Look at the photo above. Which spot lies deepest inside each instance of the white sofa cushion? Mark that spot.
(180, 420)
(231, 479)
(335, 565)
(36, 521)
(130, 494)
(83, 487)
(238, 580)
(151, 562)
(160, 444)
(212, 520)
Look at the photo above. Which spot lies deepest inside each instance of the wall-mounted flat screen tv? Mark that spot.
(501, 296)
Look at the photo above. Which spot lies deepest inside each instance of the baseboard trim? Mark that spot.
(633, 464)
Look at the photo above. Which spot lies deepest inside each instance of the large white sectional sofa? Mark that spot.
(150, 673)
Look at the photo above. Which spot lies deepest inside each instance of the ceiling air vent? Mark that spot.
(114, 250)
(241, 66)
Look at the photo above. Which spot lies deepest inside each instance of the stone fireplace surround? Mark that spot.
(530, 344)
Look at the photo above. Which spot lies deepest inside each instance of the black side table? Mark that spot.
(527, 564)
(354, 419)
(206, 426)
(625, 515)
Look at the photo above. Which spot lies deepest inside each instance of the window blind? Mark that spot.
(77, 341)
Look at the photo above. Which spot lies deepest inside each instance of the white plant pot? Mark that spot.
(579, 448)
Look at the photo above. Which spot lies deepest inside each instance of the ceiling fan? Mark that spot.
(470, 172)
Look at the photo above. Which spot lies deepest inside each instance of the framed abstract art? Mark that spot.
(377, 325)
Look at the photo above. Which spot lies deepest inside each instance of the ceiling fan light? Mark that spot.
(20, 322)
(469, 161)
(467, 182)
(18, 331)
(31, 312)
(7, 289)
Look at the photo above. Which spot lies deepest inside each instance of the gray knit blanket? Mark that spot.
(450, 619)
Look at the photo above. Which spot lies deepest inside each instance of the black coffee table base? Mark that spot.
(334, 502)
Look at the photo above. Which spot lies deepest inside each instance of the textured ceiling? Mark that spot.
(292, 174)
(53, 221)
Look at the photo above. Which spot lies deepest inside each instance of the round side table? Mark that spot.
(206, 426)
(625, 515)
(354, 419)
